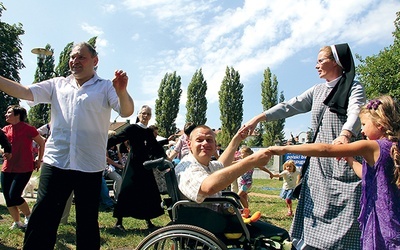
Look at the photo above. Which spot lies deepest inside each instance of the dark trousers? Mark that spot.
(55, 187)
(13, 185)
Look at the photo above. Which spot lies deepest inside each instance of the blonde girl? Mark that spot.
(290, 177)
(380, 171)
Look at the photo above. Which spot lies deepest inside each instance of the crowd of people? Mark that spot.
(345, 202)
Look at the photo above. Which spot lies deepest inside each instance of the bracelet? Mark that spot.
(348, 137)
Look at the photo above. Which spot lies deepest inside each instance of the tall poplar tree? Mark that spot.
(272, 130)
(230, 105)
(196, 104)
(62, 68)
(10, 60)
(167, 104)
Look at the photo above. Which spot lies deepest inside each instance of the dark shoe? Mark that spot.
(120, 228)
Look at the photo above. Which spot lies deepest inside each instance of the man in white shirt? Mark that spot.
(75, 153)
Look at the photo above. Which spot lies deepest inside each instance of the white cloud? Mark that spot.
(377, 25)
(101, 43)
(256, 35)
(135, 37)
(92, 30)
(108, 8)
(141, 4)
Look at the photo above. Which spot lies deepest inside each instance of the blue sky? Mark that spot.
(151, 38)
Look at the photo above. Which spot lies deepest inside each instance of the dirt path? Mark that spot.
(264, 195)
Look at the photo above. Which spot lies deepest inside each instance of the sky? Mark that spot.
(149, 38)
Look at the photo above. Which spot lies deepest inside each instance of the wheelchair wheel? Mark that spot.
(181, 237)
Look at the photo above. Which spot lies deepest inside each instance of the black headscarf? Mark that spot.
(338, 98)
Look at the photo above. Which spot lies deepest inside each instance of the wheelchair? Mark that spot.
(200, 226)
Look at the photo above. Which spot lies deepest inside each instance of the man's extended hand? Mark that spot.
(120, 81)
(243, 132)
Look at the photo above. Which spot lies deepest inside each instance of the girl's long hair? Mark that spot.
(385, 112)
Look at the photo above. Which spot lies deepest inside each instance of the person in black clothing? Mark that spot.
(5, 144)
(219, 149)
(139, 196)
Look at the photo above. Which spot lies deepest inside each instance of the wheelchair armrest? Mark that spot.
(216, 200)
(231, 194)
(231, 201)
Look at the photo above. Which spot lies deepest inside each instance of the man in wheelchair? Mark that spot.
(199, 177)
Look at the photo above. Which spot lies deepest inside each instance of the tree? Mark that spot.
(273, 130)
(196, 104)
(380, 73)
(230, 106)
(62, 68)
(167, 104)
(39, 114)
(10, 60)
(256, 140)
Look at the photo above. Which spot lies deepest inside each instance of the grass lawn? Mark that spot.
(271, 206)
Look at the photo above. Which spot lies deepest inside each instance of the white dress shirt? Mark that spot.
(80, 118)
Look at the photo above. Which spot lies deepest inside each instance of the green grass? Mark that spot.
(272, 208)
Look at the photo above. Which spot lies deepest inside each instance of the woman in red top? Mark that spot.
(17, 170)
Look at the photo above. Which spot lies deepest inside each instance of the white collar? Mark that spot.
(332, 83)
(141, 125)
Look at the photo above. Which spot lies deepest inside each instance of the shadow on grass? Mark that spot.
(270, 202)
(128, 231)
(65, 240)
(3, 247)
(3, 209)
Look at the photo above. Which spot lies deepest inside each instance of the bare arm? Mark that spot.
(15, 89)
(271, 175)
(357, 167)
(113, 163)
(220, 179)
(172, 155)
(368, 149)
(227, 157)
(120, 82)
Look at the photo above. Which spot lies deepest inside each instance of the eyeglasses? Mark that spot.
(145, 113)
(322, 60)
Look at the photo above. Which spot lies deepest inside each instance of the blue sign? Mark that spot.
(298, 159)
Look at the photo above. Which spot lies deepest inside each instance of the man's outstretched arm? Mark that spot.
(15, 89)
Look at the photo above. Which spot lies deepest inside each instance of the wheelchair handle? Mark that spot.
(160, 163)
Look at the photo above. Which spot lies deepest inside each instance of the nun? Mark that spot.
(326, 215)
(139, 196)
